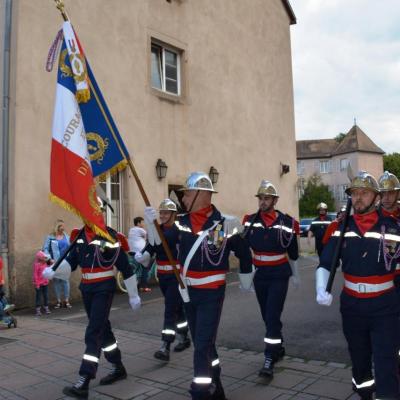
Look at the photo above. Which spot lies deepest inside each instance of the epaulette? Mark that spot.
(123, 241)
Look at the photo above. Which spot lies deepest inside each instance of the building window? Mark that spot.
(112, 188)
(165, 69)
(324, 167)
(342, 192)
(344, 162)
(301, 183)
(300, 167)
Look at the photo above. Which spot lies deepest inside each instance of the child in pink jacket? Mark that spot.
(41, 284)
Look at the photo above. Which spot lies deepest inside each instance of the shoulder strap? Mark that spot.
(195, 247)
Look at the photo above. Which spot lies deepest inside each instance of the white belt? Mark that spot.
(96, 275)
(368, 287)
(204, 281)
(259, 257)
(166, 267)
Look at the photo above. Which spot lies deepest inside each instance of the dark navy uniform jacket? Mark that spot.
(271, 245)
(201, 271)
(319, 226)
(171, 234)
(363, 263)
(96, 265)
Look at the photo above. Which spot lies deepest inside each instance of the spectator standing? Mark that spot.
(55, 245)
(40, 283)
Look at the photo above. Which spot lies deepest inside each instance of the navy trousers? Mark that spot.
(374, 338)
(99, 335)
(174, 315)
(203, 314)
(271, 296)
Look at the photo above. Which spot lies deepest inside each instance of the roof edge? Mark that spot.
(290, 12)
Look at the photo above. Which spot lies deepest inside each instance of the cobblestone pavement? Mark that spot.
(42, 355)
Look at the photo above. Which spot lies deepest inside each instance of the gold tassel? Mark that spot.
(116, 168)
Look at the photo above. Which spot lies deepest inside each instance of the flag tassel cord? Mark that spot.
(61, 8)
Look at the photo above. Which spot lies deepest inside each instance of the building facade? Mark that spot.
(197, 84)
(329, 159)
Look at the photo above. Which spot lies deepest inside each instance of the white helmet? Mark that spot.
(167, 205)
(199, 181)
(267, 189)
(322, 206)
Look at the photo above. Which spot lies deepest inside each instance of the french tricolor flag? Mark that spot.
(71, 179)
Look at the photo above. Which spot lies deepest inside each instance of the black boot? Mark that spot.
(281, 354)
(80, 390)
(268, 368)
(219, 393)
(163, 353)
(118, 372)
(183, 342)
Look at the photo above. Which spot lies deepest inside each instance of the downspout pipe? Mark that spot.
(4, 140)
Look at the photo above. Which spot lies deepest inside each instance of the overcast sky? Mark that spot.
(346, 64)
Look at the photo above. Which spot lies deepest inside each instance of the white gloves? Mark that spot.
(246, 281)
(135, 302)
(184, 294)
(48, 273)
(143, 259)
(323, 297)
(62, 272)
(131, 287)
(295, 278)
(150, 215)
(321, 279)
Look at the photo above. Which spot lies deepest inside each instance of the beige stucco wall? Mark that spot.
(237, 112)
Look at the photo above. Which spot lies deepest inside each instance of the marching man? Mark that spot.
(369, 304)
(318, 227)
(175, 323)
(206, 238)
(272, 238)
(96, 258)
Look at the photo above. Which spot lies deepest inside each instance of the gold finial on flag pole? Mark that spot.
(60, 6)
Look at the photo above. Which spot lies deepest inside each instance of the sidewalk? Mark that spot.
(42, 355)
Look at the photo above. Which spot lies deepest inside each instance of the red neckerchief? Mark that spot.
(199, 217)
(393, 214)
(90, 235)
(322, 217)
(268, 217)
(365, 222)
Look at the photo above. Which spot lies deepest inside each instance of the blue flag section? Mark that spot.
(106, 148)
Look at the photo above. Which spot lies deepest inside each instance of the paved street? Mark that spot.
(42, 355)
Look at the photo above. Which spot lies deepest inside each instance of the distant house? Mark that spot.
(329, 158)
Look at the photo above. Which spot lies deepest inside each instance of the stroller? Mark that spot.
(6, 309)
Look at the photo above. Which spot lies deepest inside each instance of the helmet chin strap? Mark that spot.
(195, 198)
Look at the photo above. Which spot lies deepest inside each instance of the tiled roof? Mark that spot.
(355, 140)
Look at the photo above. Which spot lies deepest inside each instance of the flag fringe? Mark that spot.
(62, 203)
(116, 168)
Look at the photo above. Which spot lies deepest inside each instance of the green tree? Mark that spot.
(315, 192)
(339, 138)
(391, 163)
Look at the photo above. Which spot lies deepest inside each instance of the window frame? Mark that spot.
(154, 42)
(119, 211)
(328, 166)
(340, 164)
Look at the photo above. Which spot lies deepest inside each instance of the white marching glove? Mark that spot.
(63, 271)
(143, 258)
(135, 302)
(184, 294)
(295, 280)
(131, 287)
(150, 215)
(48, 273)
(321, 279)
(323, 297)
(246, 281)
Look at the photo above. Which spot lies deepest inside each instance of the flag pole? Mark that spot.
(61, 8)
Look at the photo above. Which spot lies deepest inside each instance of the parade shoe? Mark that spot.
(183, 342)
(163, 353)
(268, 368)
(118, 372)
(80, 390)
(366, 397)
(281, 354)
